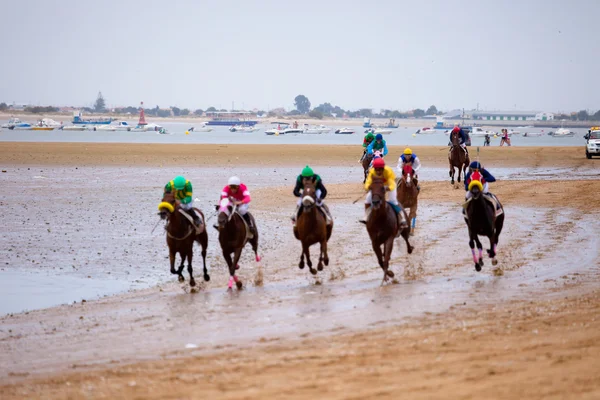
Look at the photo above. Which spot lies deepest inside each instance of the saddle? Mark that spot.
(492, 199)
(199, 228)
(321, 208)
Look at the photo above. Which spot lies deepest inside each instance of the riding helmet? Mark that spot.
(307, 172)
(179, 182)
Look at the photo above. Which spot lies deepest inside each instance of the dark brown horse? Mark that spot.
(311, 228)
(181, 235)
(383, 227)
(408, 194)
(366, 163)
(481, 219)
(233, 236)
(457, 158)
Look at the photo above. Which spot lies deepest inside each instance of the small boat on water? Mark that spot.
(478, 131)
(110, 128)
(241, 128)
(72, 128)
(427, 130)
(122, 126)
(11, 123)
(392, 124)
(23, 126)
(79, 120)
(532, 134)
(345, 131)
(562, 132)
(383, 131)
(293, 130)
(275, 132)
(316, 129)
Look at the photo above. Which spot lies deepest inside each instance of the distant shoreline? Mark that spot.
(66, 118)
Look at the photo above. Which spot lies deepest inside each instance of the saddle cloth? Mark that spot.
(492, 199)
(321, 209)
(199, 228)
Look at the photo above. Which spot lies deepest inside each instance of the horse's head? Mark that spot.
(476, 188)
(455, 138)
(309, 193)
(225, 209)
(377, 192)
(167, 205)
(407, 174)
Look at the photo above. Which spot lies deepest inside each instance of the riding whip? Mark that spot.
(154, 227)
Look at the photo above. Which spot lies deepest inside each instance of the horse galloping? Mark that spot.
(457, 158)
(408, 194)
(311, 228)
(233, 236)
(181, 234)
(383, 227)
(481, 219)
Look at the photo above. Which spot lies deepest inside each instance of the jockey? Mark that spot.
(320, 191)
(239, 194)
(380, 170)
(477, 173)
(369, 137)
(182, 190)
(408, 158)
(378, 144)
(463, 138)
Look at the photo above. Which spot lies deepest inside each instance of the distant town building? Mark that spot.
(512, 115)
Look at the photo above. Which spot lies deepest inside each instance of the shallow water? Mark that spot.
(221, 135)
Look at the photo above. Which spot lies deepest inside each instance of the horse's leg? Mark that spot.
(306, 250)
(172, 255)
(181, 266)
(230, 265)
(413, 217)
(472, 246)
(324, 251)
(203, 240)
(498, 228)
(190, 255)
(236, 259)
(480, 249)
(379, 254)
(405, 233)
(387, 249)
(321, 255)
(301, 263)
(451, 173)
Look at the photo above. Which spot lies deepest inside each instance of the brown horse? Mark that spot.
(233, 236)
(366, 163)
(311, 227)
(408, 194)
(383, 227)
(181, 235)
(457, 158)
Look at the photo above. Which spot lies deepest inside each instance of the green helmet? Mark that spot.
(307, 172)
(179, 182)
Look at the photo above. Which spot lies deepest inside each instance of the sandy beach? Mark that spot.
(529, 329)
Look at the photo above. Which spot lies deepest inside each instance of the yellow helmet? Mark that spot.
(408, 151)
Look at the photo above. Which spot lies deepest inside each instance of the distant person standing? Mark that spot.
(487, 140)
(505, 138)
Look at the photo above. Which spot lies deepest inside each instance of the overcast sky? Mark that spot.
(527, 54)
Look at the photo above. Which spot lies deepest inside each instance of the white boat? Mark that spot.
(293, 130)
(274, 131)
(50, 123)
(345, 131)
(563, 132)
(382, 131)
(532, 134)
(242, 128)
(110, 128)
(122, 126)
(203, 128)
(316, 129)
(73, 128)
(147, 128)
(427, 130)
(23, 126)
(480, 132)
(12, 122)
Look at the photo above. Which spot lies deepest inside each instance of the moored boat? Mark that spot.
(79, 120)
(345, 131)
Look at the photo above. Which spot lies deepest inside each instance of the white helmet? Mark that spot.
(233, 181)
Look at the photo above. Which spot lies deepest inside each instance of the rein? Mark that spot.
(183, 238)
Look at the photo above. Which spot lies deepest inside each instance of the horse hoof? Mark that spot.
(320, 267)
(301, 265)
(494, 261)
(237, 266)
(481, 262)
(192, 282)
(238, 284)
(206, 278)
(313, 271)
(326, 261)
(258, 258)
(389, 273)
(181, 278)
(410, 250)
(477, 267)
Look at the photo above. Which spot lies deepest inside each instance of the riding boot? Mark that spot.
(195, 217)
(249, 222)
(362, 157)
(296, 215)
(367, 214)
(328, 217)
(402, 220)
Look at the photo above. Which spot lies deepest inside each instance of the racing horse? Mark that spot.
(457, 158)
(408, 194)
(311, 228)
(234, 233)
(383, 228)
(367, 161)
(482, 219)
(181, 234)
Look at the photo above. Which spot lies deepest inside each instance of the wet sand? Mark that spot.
(124, 154)
(527, 330)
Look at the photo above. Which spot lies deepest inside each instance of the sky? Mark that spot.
(392, 54)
